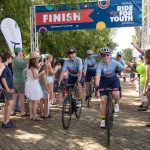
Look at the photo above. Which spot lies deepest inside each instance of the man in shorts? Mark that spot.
(18, 65)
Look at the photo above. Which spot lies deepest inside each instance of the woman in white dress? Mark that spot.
(33, 89)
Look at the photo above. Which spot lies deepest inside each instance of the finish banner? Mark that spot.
(89, 15)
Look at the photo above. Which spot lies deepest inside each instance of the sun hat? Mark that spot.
(18, 49)
(34, 55)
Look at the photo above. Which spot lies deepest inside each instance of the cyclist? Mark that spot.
(74, 67)
(120, 59)
(106, 78)
(89, 69)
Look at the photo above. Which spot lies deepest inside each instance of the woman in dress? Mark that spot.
(33, 89)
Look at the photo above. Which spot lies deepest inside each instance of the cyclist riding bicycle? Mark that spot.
(74, 67)
(120, 59)
(89, 69)
(106, 78)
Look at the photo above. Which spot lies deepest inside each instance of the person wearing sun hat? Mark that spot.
(18, 66)
(33, 90)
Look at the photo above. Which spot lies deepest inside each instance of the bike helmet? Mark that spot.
(105, 50)
(71, 50)
(90, 52)
(119, 53)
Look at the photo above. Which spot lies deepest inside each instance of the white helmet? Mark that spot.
(105, 50)
(119, 53)
(89, 52)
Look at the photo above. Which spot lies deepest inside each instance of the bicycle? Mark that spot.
(70, 106)
(109, 111)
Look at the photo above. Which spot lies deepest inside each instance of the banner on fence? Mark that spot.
(89, 15)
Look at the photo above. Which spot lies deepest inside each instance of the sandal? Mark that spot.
(37, 119)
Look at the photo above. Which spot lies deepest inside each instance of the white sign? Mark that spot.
(12, 33)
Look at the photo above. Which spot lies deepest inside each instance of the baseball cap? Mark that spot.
(18, 49)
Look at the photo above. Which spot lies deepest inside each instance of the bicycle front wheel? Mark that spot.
(78, 111)
(108, 121)
(66, 112)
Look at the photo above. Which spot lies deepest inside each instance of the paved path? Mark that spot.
(129, 131)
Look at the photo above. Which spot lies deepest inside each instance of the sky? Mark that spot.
(123, 38)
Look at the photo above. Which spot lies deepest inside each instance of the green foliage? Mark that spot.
(127, 54)
(55, 43)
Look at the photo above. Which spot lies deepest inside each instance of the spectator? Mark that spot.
(33, 89)
(63, 83)
(19, 64)
(141, 70)
(50, 77)
(7, 84)
(44, 110)
(146, 90)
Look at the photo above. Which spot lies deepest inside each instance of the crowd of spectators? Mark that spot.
(31, 80)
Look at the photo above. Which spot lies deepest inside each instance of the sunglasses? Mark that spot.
(106, 55)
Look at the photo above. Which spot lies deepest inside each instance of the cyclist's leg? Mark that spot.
(87, 90)
(103, 100)
(116, 94)
(103, 106)
(87, 80)
(72, 80)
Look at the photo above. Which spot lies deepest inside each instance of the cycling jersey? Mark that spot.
(73, 67)
(109, 70)
(90, 67)
(122, 62)
(90, 63)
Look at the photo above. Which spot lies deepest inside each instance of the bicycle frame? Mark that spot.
(70, 106)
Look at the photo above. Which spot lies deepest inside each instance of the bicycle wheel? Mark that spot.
(78, 111)
(112, 115)
(66, 112)
(108, 120)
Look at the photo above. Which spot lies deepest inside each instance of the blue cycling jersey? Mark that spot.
(73, 67)
(120, 61)
(108, 70)
(90, 63)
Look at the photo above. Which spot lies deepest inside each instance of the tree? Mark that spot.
(127, 54)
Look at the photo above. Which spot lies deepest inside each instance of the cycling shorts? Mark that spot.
(109, 82)
(89, 75)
